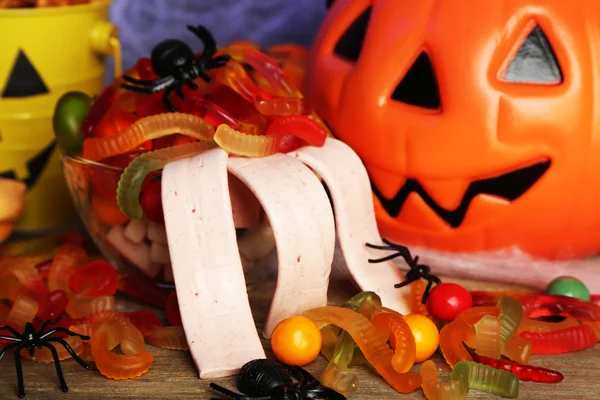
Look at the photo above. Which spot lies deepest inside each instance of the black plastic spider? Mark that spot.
(417, 271)
(30, 339)
(176, 65)
(265, 379)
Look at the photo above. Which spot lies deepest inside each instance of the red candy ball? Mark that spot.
(151, 201)
(447, 300)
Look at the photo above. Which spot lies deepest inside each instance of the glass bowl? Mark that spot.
(141, 245)
(126, 243)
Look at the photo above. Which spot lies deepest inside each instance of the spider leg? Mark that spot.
(62, 330)
(383, 259)
(218, 62)
(70, 350)
(191, 84)
(426, 292)
(137, 89)
(323, 393)
(389, 242)
(139, 82)
(19, 367)
(10, 338)
(208, 41)
(310, 386)
(303, 376)
(435, 279)
(378, 247)
(179, 92)
(10, 329)
(222, 58)
(224, 391)
(167, 82)
(6, 348)
(404, 283)
(204, 76)
(61, 377)
(217, 65)
(142, 82)
(46, 323)
(162, 84)
(233, 395)
(398, 247)
(167, 100)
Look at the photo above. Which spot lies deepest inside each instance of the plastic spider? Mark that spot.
(417, 271)
(176, 65)
(30, 339)
(265, 379)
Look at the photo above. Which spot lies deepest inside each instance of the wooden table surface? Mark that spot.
(174, 376)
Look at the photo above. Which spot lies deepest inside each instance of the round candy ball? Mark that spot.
(447, 300)
(426, 336)
(296, 341)
(568, 286)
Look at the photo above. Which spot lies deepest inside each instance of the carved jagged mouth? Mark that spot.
(35, 166)
(509, 186)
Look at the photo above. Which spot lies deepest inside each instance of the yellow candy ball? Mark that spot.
(427, 336)
(296, 341)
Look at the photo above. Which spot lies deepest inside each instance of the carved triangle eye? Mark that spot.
(24, 80)
(419, 86)
(350, 44)
(535, 62)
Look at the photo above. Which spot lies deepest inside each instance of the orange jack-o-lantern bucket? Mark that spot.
(477, 120)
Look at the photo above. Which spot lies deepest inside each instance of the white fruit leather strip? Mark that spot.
(210, 283)
(346, 178)
(302, 221)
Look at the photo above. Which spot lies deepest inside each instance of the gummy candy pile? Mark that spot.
(487, 338)
(62, 285)
(59, 279)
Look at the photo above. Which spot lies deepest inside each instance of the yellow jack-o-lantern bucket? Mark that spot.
(45, 52)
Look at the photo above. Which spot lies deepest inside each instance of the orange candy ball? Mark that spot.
(426, 335)
(296, 341)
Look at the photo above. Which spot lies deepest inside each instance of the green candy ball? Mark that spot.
(71, 109)
(568, 286)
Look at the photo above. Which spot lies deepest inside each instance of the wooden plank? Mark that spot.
(173, 375)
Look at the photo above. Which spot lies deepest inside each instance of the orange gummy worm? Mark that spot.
(452, 336)
(132, 340)
(113, 365)
(518, 350)
(417, 288)
(168, 337)
(80, 307)
(405, 346)
(370, 342)
(68, 258)
(144, 129)
(487, 336)
(10, 289)
(474, 314)
(23, 269)
(23, 310)
(436, 390)
(85, 329)
(243, 144)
